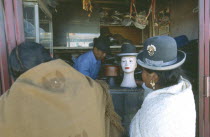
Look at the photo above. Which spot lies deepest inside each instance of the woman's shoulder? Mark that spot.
(168, 111)
(179, 89)
(175, 96)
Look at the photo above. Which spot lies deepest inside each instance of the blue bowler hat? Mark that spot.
(160, 53)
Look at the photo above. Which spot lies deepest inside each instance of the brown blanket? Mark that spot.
(55, 100)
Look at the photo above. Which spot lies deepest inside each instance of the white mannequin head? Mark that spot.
(128, 64)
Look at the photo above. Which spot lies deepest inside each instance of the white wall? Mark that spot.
(183, 20)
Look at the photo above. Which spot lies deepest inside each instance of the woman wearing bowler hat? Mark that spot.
(168, 109)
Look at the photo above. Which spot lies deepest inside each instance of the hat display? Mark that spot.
(128, 50)
(160, 53)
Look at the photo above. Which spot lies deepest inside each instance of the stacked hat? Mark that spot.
(160, 53)
(128, 49)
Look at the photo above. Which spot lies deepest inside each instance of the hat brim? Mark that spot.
(181, 57)
(127, 54)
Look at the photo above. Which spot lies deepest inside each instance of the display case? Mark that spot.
(38, 24)
(127, 102)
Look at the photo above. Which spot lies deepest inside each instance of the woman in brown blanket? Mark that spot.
(49, 98)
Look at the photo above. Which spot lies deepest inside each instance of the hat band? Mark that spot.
(157, 63)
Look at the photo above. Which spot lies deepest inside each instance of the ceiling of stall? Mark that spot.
(112, 12)
(111, 4)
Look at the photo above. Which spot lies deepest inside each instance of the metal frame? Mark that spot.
(36, 11)
(51, 43)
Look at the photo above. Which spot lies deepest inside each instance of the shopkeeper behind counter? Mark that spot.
(89, 63)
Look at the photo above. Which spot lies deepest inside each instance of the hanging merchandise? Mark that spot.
(154, 19)
(141, 18)
(163, 21)
(127, 20)
(116, 20)
(133, 7)
(87, 6)
(116, 17)
(164, 17)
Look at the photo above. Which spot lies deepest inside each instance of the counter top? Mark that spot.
(120, 90)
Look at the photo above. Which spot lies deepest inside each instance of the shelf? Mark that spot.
(57, 48)
(41, 38)
(30, 37)
(41, 21)
(77, 48)
(115, 25)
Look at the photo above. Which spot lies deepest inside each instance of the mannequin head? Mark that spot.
(128, 64)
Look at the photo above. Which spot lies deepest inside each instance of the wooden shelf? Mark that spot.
(115, 25)
(81, 48)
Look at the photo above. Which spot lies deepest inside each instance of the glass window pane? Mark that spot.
(44, 30)
(80, 39)
(29, 21)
